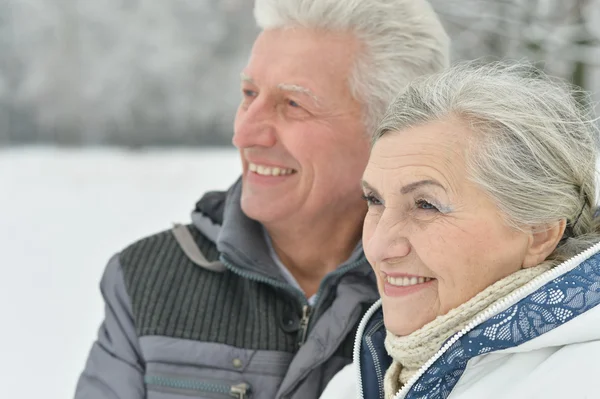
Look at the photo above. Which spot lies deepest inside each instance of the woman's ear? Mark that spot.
(542, 241)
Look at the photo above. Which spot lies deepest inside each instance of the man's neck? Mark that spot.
(312, 250)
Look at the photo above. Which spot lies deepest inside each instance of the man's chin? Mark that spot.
(261, 210)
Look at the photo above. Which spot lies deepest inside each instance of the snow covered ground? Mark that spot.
(63, 213)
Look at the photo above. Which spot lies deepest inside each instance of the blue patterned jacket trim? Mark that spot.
(547, 308)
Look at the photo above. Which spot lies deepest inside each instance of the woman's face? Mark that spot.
(433, 238)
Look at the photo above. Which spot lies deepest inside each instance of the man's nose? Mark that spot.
(254, 126)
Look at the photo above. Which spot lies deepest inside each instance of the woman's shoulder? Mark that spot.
(540, 366)
(343, 385)
(550, 335)
(569, 371)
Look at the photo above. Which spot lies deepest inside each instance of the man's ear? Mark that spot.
(542, 241)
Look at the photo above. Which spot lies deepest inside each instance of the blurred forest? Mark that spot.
(146, 72)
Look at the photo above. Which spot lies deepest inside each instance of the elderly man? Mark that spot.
(261, 295)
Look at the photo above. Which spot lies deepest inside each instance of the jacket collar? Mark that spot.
(218, 215)
(563, 310)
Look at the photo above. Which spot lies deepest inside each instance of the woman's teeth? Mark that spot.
(407, 281)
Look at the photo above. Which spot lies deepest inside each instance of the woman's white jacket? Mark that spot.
(543, 341)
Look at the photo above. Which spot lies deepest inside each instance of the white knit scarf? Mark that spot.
(410, 352)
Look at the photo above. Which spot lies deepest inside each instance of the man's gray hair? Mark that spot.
(534, 146)
(402, 39)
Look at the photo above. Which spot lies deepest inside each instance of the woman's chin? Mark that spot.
(402, 323)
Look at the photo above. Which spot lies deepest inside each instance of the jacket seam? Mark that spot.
(93, 379)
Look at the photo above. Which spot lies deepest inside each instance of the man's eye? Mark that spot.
(371, 200)
(425, 205)
(249, 93)
(293, 104)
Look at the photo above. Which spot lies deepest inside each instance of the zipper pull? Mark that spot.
(306, 309)
(239, 391)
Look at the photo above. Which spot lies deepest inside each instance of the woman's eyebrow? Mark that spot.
(413, 186)
(368, 187)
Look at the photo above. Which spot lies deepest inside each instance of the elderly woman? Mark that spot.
(482, 235)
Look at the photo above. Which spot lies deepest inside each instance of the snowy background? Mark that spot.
(63, 214)
(140, 72)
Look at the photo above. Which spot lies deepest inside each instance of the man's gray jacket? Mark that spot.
(202, 311)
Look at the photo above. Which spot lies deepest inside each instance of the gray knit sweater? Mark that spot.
(176, 329)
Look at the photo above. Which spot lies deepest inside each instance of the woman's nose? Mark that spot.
(388, 241)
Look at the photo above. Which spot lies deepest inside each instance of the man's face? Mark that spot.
(299, 130)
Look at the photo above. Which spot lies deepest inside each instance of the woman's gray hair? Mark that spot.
(402, 39)
(534, 146)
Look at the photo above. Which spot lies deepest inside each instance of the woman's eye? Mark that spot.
(425, 205)
(371, 200)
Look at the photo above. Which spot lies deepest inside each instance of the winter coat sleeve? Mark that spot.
(114, 368)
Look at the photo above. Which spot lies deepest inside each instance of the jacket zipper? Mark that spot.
(238, 391)
(358, 340)
(503, 304)
(378, 371)
(495, 309)
(307, 310)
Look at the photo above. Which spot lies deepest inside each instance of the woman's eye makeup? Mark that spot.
(428, 204)
(425, 205)
(371, 199)
(419, 202)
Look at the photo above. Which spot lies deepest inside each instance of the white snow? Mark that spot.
(63, 213)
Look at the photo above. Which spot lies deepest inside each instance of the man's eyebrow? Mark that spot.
(286, 87)
(298, 89)
(413, 186)
(246, 78)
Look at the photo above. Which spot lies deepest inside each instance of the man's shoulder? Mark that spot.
(173, 296)
(158, 261)
(163, 248)
(165, 285)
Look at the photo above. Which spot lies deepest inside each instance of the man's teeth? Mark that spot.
(268, 170)
(407, 281)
